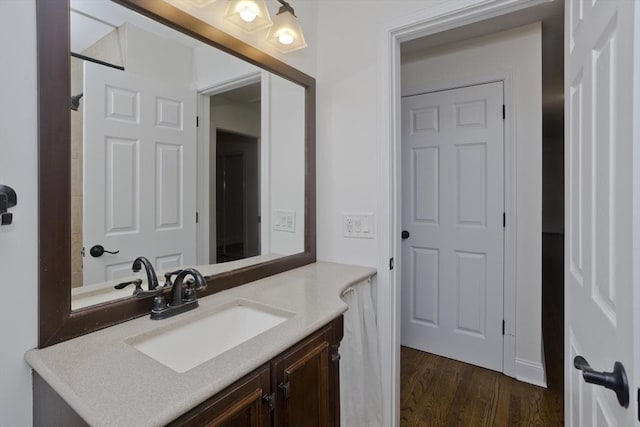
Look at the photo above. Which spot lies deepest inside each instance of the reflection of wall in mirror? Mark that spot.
(287, 151)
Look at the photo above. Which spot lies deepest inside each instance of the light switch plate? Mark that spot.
(358, 225)
(284, 220)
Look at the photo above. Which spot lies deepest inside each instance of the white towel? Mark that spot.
(360, 385)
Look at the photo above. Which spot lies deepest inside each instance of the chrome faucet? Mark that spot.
(180, 301)
(152, 279)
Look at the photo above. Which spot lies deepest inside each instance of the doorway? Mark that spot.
(231, 178)
(443, 35)
(237, 196)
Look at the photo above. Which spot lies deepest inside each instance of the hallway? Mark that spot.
(436, 391)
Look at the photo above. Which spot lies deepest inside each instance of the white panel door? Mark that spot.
(139, 175)
(599, 243)
(453, 204)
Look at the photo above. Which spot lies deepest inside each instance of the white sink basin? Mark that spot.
(187, 344)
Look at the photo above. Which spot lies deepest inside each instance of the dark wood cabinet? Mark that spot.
(242, 404)
(302, 382)
(299, 387)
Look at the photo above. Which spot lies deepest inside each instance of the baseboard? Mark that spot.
(531, 372)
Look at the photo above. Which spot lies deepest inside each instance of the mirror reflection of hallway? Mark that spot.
(237, 196)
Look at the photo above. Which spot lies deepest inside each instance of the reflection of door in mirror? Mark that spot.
(237, 198)
(139, 134)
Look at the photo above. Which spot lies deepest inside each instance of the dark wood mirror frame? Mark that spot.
(56, 320)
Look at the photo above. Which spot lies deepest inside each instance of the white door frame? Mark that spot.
(441, 16)
(509, 241)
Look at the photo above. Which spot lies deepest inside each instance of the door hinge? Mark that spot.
(197, 217)
(197, 121)
(270, 399)
(639, 404)
(504, 220)
(390, 263)
(504, 112)
(503, 326)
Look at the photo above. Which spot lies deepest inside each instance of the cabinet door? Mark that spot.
(239, 405)
(302, 382)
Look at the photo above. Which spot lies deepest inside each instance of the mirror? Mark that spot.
(128, 186)
(150, 178)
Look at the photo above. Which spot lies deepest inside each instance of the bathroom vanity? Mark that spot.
(285, 375)
(262, 347)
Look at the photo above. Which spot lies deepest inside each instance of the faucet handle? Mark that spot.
(136, 282)
(167, 277)
(140, 293)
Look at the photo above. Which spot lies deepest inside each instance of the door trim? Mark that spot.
(439, 17)
(509, 362)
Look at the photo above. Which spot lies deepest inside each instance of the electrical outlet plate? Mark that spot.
(358, 225)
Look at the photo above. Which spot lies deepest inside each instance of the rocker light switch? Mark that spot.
(284, 220)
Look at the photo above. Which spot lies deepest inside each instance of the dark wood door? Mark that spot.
(303, 384)
(240, 405)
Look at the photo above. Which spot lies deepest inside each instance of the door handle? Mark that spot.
(615, 381)
(97, 251)
(405, 234)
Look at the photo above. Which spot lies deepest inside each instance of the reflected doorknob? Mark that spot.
(98, 250)
(615, 381)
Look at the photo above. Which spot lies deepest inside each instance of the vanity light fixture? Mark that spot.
(250, 15)
(286, 32)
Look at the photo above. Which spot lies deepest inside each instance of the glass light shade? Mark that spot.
(286, 33)
(250, 15)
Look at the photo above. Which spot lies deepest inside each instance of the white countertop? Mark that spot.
(110, 383)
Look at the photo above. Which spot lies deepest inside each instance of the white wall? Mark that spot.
(518, 54)
(234, 117)
(18, 242)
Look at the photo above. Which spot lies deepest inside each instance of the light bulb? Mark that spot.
(248, 14)
(285, 38)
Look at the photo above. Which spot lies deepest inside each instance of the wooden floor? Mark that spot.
(436, 391)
